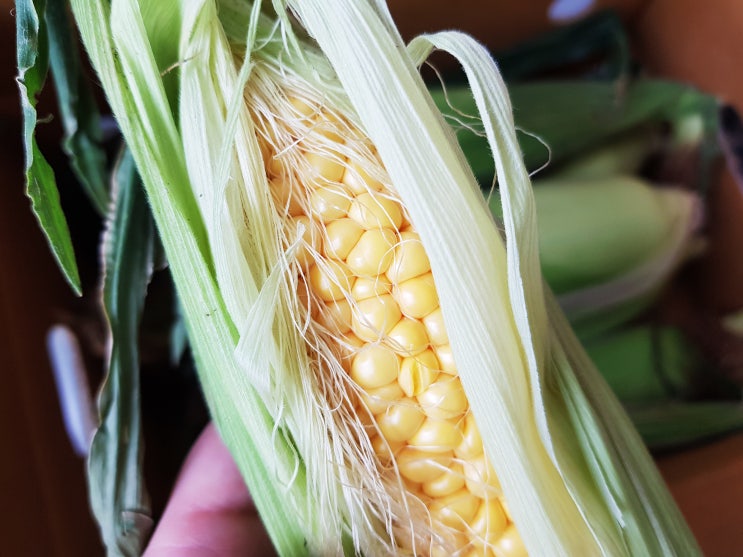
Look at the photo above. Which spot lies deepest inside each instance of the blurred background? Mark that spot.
(42, 487)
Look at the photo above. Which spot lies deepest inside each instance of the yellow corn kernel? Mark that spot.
(385, 449)
(276, 167)
(434, 323)
(302, 109)
(509, 544)
(330, 202)
(364, 287)
(436, 436)
(335, 316)
(410, 259)
(471, 445)
(375, 366)
(448, 482)
(325, 168)
(421, 466)
(408, 337)
(418, 372)
(489, 522)
(372, 210)
(451, 543)
(456, 509)
(378, 400)
(401, 420)
(412, 488)
(504, 504)
(358, 181)
(475, 551)
(348, 345)
(341, 236)
(480, 478)
(373, 291)
(417, 296)
(372, 254)
(330, 281)
(328, 127)
(446, 359)
(374, 317)
(444, 399)
(367, 422)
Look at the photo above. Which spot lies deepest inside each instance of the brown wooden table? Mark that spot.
(707, 483)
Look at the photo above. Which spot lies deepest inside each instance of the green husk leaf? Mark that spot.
(601, 443)
(116, 39)
(117, 492)
(560, 443)
(229, 182)
(33, 63)
(80, 117)
(651, 523)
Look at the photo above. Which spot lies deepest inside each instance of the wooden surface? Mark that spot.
(707, 483)
(44, 506)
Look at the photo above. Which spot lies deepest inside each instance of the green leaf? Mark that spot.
(80, 117)
(116, 483)
(33, 63)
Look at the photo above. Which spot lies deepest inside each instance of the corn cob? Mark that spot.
(282, 311)
(371, 303)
